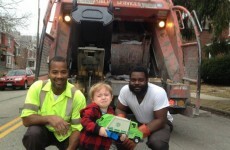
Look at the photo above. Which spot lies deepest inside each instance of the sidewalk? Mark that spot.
(209, 97)
(213, 104)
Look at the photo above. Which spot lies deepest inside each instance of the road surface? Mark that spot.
(205, 132)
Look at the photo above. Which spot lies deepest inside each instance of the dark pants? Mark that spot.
(39, 137)
(159, 140)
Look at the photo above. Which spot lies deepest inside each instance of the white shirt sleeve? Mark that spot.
(161, 100)
(122, 96)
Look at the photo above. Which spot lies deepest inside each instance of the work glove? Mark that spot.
(121, 115)
(145, 130)
(128, 144)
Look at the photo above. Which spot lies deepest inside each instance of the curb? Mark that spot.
(214, 111)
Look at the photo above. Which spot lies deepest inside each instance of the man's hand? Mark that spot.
(59, 124)
(145, 130)
(121, 115)
(128, 144)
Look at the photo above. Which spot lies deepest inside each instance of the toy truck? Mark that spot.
(121, 125)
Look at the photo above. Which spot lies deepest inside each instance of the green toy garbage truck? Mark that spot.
(121, 125)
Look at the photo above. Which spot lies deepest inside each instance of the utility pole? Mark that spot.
(37, 52)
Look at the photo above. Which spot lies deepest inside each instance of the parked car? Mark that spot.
(17, 78)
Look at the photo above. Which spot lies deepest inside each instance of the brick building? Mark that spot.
(16, 52)
(8, 48)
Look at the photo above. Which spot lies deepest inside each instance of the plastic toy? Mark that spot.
(117, 125)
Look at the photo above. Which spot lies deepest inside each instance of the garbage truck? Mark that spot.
(119, 125)
(105, 39)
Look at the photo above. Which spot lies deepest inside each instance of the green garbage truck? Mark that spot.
(121, 125)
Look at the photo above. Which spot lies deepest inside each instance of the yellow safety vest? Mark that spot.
(48, 106)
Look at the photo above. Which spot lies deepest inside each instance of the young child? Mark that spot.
(94, 137)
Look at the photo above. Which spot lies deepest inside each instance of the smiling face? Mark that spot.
(138, 83)
(102, 97)
(58, 74)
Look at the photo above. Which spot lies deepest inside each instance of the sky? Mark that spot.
(31, 6)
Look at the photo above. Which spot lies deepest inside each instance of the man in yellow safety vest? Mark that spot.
(51, 110)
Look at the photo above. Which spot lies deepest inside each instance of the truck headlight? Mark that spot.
(161, 24)
(67, 18)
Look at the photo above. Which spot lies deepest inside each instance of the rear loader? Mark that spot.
(105, 39)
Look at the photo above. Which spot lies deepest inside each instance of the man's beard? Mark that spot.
(59, 87)
(142, 91)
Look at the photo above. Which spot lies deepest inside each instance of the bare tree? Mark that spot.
(9, 18)
(21, 61)
(217, 12)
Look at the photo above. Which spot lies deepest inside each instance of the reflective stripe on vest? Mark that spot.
(75, 121)
(31, 107)
(42, 94)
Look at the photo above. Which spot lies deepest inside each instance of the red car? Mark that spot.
(17, 78)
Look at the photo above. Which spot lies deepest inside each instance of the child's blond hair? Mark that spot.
(98, 86)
